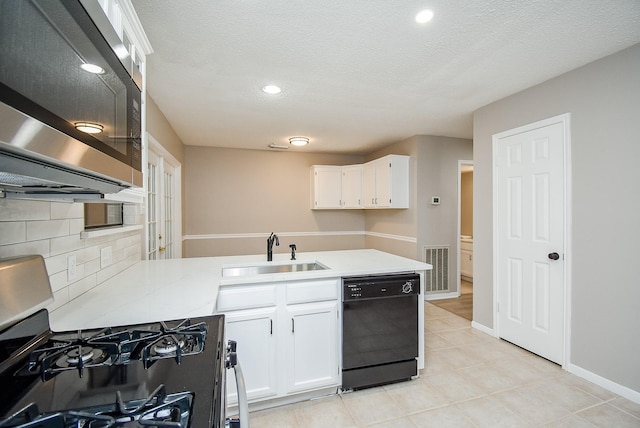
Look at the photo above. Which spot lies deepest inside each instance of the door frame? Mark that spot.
(565, 120)
(166, 156)
(460, 165)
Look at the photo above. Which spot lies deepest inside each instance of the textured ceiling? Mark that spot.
(359, 74)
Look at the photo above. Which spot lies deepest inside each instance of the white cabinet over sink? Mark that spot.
(386, 182)
(287, 334)
(381, 183)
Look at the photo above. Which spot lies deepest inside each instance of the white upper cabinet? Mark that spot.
(382, 183)
(326, 187)
(352, 186)
(386, 182)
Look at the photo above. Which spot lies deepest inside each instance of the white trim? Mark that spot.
(483, 328)
(331, 233)
(437, 296)
(110, 231)
(396, 237)
(135, 25)
(565, 120)
(459, 231)
(166, 156)
(607, 384)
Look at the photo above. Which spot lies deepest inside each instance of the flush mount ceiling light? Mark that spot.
(298, 141)
(92, 68)
(88, 127)
(424, 16)
(271, 89)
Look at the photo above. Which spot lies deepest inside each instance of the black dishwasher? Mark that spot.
(379, 329)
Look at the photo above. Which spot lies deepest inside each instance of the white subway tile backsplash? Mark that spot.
(76, 225)
(82, 286)
(52, 229)
(58, 280)
(23, 210)
(62, 210)
(12, 232)
(92, 266)
(25, 248)
(66, 244)
(56, 264)
(47, 229)
(60, 297)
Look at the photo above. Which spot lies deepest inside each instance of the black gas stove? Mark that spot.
(161, 374)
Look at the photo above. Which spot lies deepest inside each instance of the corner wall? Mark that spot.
(603, 99)
(235, 198)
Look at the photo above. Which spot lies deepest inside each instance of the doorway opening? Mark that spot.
(462, 305)
(465, 228)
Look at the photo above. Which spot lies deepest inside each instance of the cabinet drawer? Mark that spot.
(466, 246)
(239, 297)
(312, 291)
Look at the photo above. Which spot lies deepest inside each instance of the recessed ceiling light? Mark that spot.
(299, 141)
(88, 127)
(92, 68)
(271, 89)
(424, 16)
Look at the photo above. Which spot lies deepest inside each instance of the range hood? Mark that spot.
(39, 162)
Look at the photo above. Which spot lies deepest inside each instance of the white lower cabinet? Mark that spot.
(312, 346)
(257, 352)
(289, 346)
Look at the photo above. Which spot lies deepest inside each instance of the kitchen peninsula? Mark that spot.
(194, 287)
(172, 289)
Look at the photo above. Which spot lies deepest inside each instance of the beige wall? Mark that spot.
(466, 203)
(397, 223)
(235, 198)
(161, 130)
(438, 176)
(603, 99)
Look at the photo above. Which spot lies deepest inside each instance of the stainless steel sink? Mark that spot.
(228, 271)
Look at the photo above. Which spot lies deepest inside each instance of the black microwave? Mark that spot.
(58, 71)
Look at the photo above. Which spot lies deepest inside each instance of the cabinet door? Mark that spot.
(352, 186)
(312, 346)
(466, 263)
(369, 184)
(327, 187)
(254, 331)
(383, 182)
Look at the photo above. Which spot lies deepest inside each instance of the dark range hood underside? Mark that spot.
(39, 162)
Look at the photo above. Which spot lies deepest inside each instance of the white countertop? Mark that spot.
(180, 288)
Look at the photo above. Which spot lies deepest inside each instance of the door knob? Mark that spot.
(554, 256)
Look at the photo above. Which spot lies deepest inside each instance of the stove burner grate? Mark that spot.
(116, 346)
(157, 410)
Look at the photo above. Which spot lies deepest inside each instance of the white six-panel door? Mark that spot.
(530, 221)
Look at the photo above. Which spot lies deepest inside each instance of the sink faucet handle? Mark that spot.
(293, 251)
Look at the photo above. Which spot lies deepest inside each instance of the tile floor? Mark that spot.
(471, 380)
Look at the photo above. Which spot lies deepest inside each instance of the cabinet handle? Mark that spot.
(271, 326)
(293, 326)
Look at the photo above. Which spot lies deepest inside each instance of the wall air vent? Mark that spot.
(437, 279)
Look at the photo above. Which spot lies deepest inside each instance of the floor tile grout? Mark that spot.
(464, 387)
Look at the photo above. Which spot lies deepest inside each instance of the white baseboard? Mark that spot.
(439, 296)
(483, 328)
(607, 384)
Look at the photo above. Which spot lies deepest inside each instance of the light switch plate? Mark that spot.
(72, 268)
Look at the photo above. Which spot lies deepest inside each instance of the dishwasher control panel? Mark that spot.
(380, 286)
